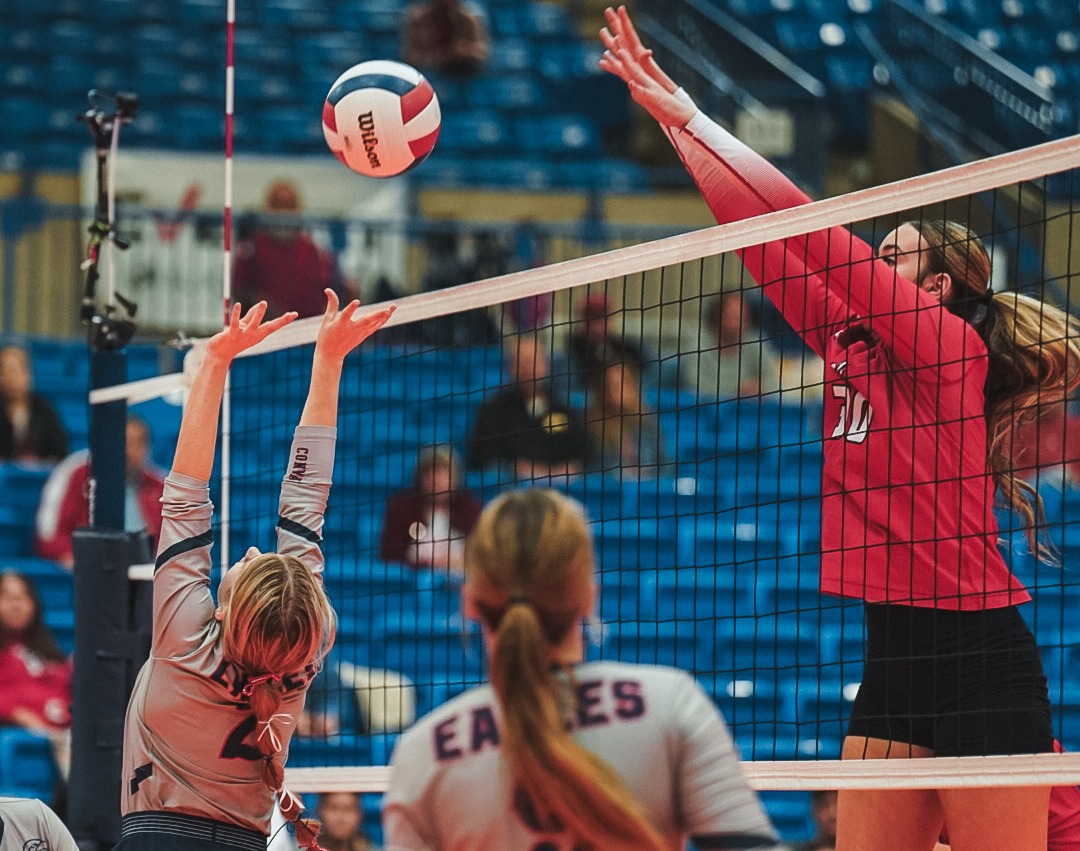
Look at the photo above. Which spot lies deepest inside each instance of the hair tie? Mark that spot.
(258, 681)
(518, 600)
(988, 296)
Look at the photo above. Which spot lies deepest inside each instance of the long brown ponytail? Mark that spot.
(529, 569)
(1034, 352)
(278, 622)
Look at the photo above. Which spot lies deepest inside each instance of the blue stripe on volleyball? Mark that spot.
(397, 85)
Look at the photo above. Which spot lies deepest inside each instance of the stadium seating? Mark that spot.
(701, 569)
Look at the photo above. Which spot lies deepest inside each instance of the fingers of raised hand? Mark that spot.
(331, 303)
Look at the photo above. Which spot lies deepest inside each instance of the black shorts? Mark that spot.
(959, 683)
(168, 831)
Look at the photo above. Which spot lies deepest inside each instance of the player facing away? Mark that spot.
(927, 373)
(556, 754)
(209, 722)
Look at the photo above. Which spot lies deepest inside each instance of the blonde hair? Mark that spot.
(278, 621)
(1034, 358)
(529, 572)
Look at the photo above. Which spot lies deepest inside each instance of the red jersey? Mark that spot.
(35, 684)
(907, 493)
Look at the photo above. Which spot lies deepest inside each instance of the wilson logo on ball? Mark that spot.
(381, 118)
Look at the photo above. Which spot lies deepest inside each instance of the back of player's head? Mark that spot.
(955, 249)
(529, 578)
(278, 622)
(279, 619)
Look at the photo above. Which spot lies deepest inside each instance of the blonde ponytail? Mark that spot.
(529, 568)
(1034, 359)
(1034, 366)
(278, 621)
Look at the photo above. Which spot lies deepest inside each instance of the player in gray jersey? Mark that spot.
(27, 824)
(557, 755)
(209, 722)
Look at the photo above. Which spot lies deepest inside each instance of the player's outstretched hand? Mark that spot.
(341, 331)
(629, 60)
(245, 331)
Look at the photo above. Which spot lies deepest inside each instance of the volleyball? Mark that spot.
(381, 118)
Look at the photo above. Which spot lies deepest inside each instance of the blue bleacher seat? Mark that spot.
(508, 92)
(765, 644)
(477, 131)
(557, 135)
(636, 543)
(699, 593)
(789, 813)
(26, 762)
(294, 15)
(683, 644)
(511, 54)
(750, 701)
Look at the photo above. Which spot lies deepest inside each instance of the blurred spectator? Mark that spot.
(28, 824)
(446, 35)
(452, 261)
(733, 361)
(341, 815)
(35, 672)
(531, 313)
(594, 342)
(626, 436)
(522, 428)
(426, 525)
(65, 499)
(30, 428)
(280, 263)
(823, 812)
(330, 708)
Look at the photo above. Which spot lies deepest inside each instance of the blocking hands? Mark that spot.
(245, 331)
(341, 331)
(629, 60)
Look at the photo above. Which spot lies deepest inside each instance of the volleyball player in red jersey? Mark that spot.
(927, 373)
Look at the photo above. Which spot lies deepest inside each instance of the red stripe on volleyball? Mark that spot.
(422, 147)
(413, 103)
(341, 156)
(329, 117)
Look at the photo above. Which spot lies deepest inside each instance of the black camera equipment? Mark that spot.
(108, 329)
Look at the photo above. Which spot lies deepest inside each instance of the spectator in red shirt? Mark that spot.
(30, 428)
(34, 670)
(281, 264)
(427, 524)
(65, 500)
(35, 673)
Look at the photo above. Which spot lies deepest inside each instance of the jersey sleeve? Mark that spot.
(718, 807)
(405, 824)
(59, 838)
(799, 273)
(183, 604)
(304, 493)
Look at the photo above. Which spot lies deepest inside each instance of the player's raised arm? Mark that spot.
(182, 600)
(197, 441)
(306, 486)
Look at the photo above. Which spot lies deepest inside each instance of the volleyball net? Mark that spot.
(704, 492)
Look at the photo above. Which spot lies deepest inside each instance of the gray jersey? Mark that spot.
(189, 740)
(28, 825)
(450, 789)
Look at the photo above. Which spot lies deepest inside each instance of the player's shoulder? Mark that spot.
(25, 811)
(658, 675)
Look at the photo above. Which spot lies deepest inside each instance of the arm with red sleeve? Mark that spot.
(738, 183)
